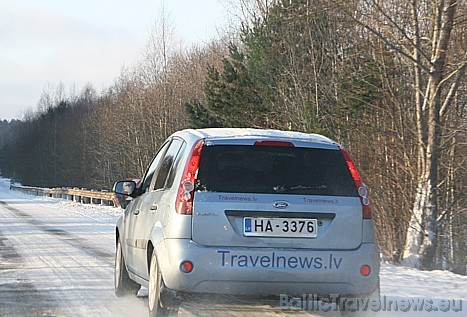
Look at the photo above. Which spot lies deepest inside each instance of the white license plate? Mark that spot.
(280, 227)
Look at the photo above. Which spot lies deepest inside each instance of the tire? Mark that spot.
(155, 288)
(122, 282)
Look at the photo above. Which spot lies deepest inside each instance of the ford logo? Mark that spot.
(281, 204)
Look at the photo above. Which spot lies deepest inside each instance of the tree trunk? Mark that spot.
(421, 243)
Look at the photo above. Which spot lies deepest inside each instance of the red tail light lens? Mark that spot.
(365, 270)
(361, 188)
(186, 267)
(184, 203)
(274, 143)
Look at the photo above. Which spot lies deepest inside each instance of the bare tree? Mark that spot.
(420, 32)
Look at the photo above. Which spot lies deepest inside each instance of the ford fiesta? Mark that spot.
(246, 212)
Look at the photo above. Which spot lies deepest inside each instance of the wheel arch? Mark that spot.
(117, 235)
(156, 243)
(149, 250)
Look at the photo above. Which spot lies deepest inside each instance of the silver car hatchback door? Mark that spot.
(276, 197)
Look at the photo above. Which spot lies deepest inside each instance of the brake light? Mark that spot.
(274, 143)
(184, 203)
(361, 188)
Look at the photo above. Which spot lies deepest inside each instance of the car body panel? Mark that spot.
(269, 271)
(221, 215)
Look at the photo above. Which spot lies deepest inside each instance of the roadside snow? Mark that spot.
(422, 293)
(408, 282)
(99, 213)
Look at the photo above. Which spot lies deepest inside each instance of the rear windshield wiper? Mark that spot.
(281, 188)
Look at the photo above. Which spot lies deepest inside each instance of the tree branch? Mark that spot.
(415, 44)
(390, 44)
(455, 85)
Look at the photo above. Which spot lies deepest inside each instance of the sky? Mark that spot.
(77, 42)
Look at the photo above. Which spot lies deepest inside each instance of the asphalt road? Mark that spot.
(59, 263)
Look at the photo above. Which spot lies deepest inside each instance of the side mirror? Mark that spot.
(126, 188)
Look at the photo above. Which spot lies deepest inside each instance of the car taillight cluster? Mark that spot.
(361, 188)
(184, 203)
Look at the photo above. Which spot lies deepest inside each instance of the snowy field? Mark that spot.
(404, 291)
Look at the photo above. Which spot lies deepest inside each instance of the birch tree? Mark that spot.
(421, 32)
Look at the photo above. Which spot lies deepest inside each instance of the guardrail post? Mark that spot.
(84, 199)
(69, 194)
(103, 201)
(76, 198)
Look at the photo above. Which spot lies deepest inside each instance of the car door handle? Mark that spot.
(153, 207)
(136, 212)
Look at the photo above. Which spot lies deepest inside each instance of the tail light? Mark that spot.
(186, 267)
(186, 191)
(365, 270)
(361, 188)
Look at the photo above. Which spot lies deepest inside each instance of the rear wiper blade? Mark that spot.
(282, 188)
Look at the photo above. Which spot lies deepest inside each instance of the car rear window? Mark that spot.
(274, 170)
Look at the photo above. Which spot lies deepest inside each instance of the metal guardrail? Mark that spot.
(84, 196)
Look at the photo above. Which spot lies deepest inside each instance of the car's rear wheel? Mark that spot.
(122, 282)
(155, 288)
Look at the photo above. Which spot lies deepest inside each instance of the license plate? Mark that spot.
(280, 227)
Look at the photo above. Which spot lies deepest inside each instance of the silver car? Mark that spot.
(246, 212)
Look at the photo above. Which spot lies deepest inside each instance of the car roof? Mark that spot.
(231, 133)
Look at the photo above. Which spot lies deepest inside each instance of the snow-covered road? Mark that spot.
(57, 257)
(54, 262)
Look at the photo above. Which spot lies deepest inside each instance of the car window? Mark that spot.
(166, 164)
(274, 170)
(153, 167)
(175, 166)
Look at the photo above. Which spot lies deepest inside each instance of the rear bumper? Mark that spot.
(268, 272)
